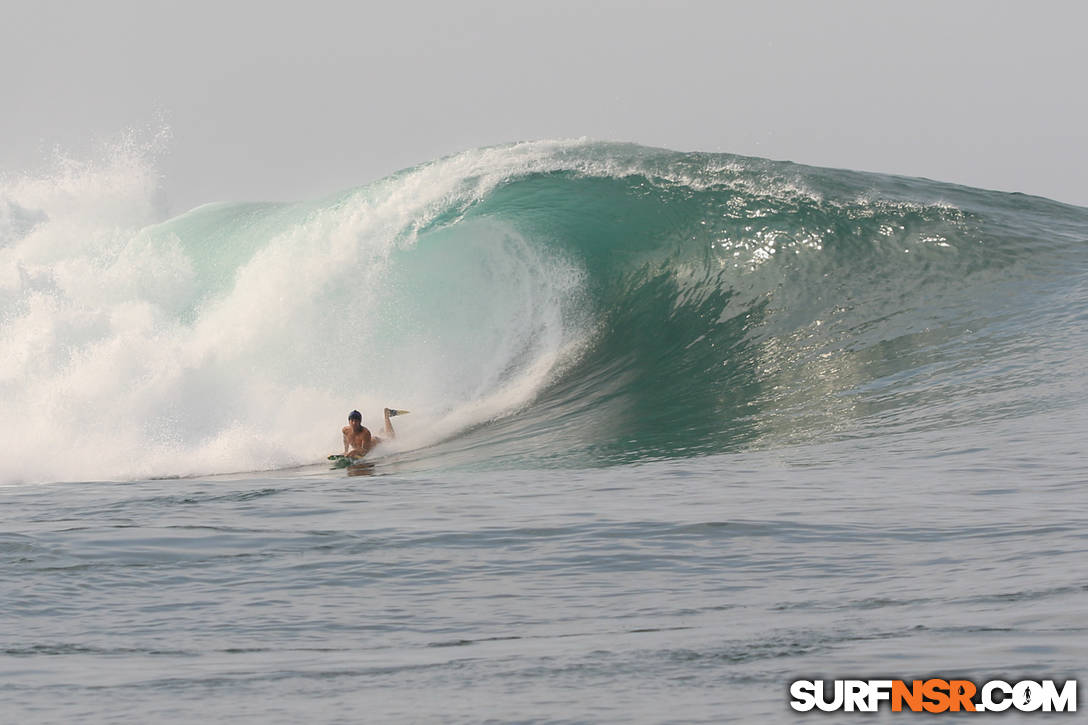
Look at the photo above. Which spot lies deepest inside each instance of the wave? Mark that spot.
(554, 303)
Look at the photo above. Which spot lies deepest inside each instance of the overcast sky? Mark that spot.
(266, 102)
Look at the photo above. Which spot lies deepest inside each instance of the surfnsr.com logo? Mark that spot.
(933, 695)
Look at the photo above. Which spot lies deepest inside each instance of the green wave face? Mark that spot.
(738, 303)
(548, 304)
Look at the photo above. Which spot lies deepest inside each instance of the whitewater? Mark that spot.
(685, 427)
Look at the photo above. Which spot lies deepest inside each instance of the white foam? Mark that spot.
(115, 363)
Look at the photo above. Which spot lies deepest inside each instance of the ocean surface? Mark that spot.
(685, 428)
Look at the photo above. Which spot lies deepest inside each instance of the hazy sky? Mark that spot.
(269, 102)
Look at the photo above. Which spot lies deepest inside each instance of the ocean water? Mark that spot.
(685, 428)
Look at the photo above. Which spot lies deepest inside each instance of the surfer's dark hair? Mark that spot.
(355, 415)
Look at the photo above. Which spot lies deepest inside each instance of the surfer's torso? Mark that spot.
(357, 441)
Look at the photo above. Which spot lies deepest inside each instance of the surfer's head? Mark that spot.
(354, 416)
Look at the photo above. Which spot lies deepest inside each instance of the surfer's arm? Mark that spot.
(346, 446)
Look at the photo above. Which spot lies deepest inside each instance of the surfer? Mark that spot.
(357, 438)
